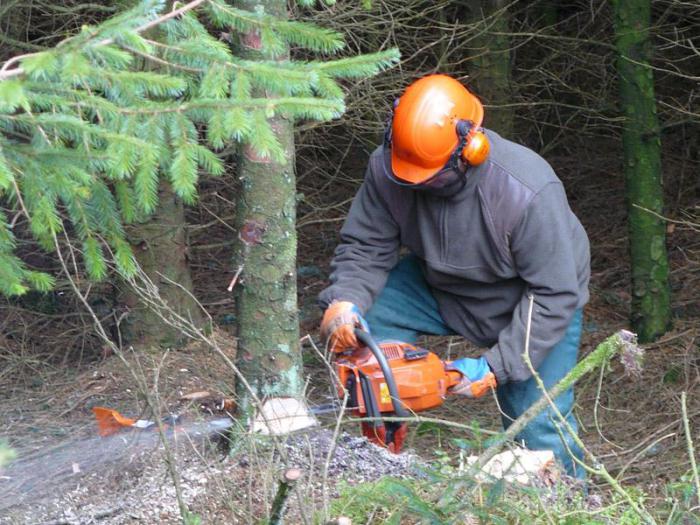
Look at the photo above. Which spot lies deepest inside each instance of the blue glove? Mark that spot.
(477, 378)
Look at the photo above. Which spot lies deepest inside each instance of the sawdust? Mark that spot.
(216, 486)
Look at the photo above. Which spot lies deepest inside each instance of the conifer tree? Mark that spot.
(268, 348)
(651, 297)
(86, 135)
(490, 66)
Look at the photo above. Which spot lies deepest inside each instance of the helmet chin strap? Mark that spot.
(390, 124)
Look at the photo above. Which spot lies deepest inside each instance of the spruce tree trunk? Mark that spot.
(651, 312)
(160, 247)
(490, 68)
(268, 353)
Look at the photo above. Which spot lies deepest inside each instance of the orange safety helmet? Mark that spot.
(436, 121)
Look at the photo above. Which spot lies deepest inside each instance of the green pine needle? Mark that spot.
(76, 67)
(237, 124)
(265, 143)
(241, 86)
(326, 87)
(271, 42)
(214, 84)
(309, 36)
(183, 172)
(109, 57)
(208, 161)
(11, 276)
(41, 66)
(301, 34)
(40, 281)
(94, 259)
(125, 200)
(359, 66)
(123, 257)
(12, 96)
(281, 78)
(6, 177)
(7, 239)
(146, 183)
(216, 130)
(44, 220)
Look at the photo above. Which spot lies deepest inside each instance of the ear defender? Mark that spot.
(477, 147)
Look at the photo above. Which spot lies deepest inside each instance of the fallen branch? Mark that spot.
(599, 357)
(691, 448)
(598, 469)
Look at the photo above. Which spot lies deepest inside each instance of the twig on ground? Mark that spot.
(601, 355)
(598, 468)
(336, 430)
(691, 448)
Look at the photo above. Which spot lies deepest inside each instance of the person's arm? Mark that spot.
(368, 249)
(544, 255)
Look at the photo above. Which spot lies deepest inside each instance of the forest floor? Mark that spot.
(66, 474)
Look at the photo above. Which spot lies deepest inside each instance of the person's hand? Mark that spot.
(338, 325)
(477, 378)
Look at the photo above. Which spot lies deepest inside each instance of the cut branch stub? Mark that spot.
(252, 40)
(252, 232)
(252, 153)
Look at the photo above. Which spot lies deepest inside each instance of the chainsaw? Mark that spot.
(391, 379)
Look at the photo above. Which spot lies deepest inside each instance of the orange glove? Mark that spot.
(338, 325)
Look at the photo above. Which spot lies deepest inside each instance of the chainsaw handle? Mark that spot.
(369, 342)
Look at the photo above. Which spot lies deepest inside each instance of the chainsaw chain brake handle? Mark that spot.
(366, 339)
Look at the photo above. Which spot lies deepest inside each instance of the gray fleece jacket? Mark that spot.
(508, 233)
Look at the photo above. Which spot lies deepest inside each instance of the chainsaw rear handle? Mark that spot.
(369, 342)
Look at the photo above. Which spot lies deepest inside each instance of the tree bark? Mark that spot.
(651, 311)
(490, 69)
(268, 354)
(160, 247)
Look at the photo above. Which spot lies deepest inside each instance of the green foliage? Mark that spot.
(6, 453)
(90, 127)
(421, 500)
(439, 493)
(189, 518)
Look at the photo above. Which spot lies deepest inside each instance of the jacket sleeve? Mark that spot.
(368, 249)
(542, 248)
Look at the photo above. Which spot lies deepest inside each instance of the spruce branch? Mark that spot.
(599, 357)
(299, 107)
(304, 35)
(87, 132)
(358, 66)
(6, 72)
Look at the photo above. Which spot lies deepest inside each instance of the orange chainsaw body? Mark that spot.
(420, 376)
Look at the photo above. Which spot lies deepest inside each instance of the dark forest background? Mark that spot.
(549, 77)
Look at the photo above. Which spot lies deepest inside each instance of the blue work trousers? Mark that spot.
(406, 309)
